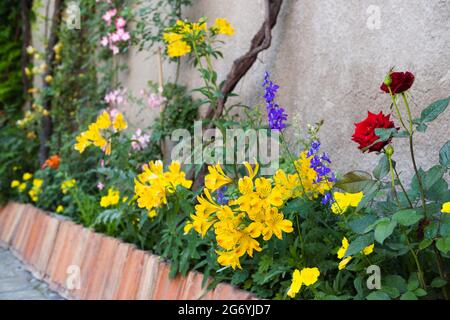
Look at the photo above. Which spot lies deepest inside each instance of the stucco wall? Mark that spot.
(329, 60)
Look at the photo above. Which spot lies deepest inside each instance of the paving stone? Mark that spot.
(18, 284)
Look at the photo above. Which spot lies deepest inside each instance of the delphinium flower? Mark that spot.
(222, 199)
(275, 114)
(320, 165)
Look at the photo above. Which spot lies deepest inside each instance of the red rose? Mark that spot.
(365, 131)
(401, 81)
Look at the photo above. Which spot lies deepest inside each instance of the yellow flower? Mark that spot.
(446, 207)
(67, 185)
(187, 227)
(216, 178)
(343, 249)
(345, 200)
(15, 183)
(276, 224)
(307, 277)
(59, 209)
(103, 121)
(171, 37)
(28, 72)
(153, 184)
(111, 199)
(22, 187)
(36, 189)
(27, 176)
(119, 122)
(48, 78)
(228, 259)
(369, 249)
(344, 263)
(31, 50)
(311, 188)
(223, 27)
(296, 284)
(82, 143)
(178, 49)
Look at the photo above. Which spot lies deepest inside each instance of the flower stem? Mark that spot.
(291, 158)
(403, 188)
(391, 169)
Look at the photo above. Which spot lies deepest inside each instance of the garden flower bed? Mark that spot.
(81, 264)
(240, 207)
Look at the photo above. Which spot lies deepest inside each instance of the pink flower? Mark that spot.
(120, 22)
(140, 141)
(114, 49)
(155, 100)
(100, 186)
(104, 42)
(116, 97)
(109, 15)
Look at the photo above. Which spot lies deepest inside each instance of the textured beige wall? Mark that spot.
(329, 64)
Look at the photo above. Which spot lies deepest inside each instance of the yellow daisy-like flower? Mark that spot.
(446, 207)
(275, 224)
(178, 49)
(67, 185)
(223, 27)
(15, 183)
(27, 176)
(22, 187)
(171, 37)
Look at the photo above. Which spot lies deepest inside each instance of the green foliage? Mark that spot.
(11, 85)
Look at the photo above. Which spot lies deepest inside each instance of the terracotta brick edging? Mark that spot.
(79, 263)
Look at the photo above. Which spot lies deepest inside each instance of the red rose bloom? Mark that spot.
(401, 81)
(365, 131)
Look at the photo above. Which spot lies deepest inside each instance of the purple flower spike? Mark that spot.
(275, 114)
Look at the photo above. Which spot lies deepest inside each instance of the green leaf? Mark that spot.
(358, 244)
(425, 243)
(420, 292)
(438, 283)
(382, 168)
(413, 282)
(385, 134)
(359, 225)
(408, 296)
(407, 217)
(378, 295)
(433, 175)
(384, 229)
(354, 181)
(443, 244)
(444, 155)
(395, 281)
(433, 110)
(391, 291)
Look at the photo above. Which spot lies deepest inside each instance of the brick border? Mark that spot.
(52, 246)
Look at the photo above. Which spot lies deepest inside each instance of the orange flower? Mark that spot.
(52, 162)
